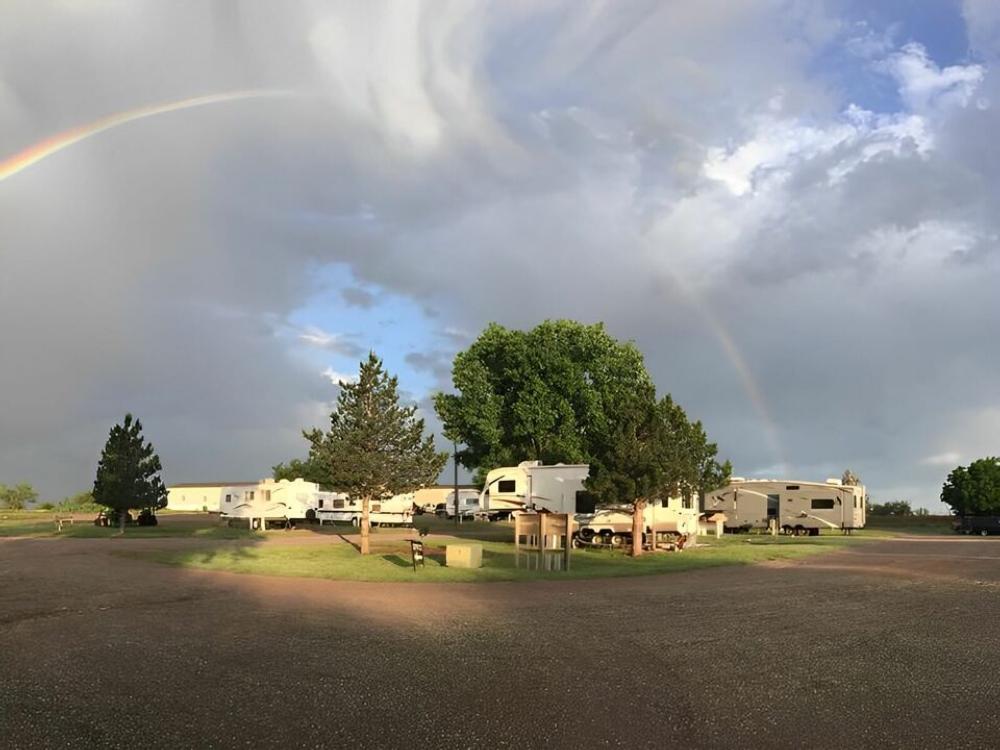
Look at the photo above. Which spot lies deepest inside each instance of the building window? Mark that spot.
(822, 503)
(506, 485)
(791, 487)
(229, 498)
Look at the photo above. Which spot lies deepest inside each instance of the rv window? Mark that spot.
(376, 507)
(791, 487)
(506, 485)
(229, 498)
(821, 503)
(321, 502)
(267, 494)
(251, 494)
(338, 503)
(471, 500)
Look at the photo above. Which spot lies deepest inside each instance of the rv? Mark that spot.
(674, 517)
(427, 499)
(557, 488)
(393, 511)
(273, 501)
(206, 497)
(468, 502)
(793, 507)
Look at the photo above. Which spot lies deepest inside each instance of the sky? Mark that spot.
(791, 206)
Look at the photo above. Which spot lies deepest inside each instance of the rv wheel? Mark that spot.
(984, 532)
(617, 540)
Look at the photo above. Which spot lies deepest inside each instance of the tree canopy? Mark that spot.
(548, 394)
(375, 446)
(975, 489)
(128, 474)
(18, 497)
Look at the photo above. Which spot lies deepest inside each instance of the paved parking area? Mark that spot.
(887, 644)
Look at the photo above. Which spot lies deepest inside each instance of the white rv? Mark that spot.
(272, 501)
(468, 504)
(795, 507)
(673, 517)
(393, 511)
(531, 485)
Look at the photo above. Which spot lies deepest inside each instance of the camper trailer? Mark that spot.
(394, 511)
(272, 501)
(674, 517)
(531, 485)
(794, 507)
(206, 497)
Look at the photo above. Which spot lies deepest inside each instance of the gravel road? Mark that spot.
(888, 644)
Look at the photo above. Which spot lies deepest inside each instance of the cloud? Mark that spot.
(357, 297)
(333, 342)
(337, 378)
(948, 459)
(693, 174)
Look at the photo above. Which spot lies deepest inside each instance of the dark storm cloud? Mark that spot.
(675, 170)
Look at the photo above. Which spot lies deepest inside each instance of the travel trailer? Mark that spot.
(795, 507)
(427, 499)
(200, 496)
(531, 485)
(273, 501)
(394, 511)
(468, 503)
(612, 527)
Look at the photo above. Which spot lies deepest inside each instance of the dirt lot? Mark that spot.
(888, 644)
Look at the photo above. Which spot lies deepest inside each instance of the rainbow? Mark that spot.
(56, 143)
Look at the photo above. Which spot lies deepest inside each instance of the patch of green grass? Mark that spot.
(390, 560)
(43, 524)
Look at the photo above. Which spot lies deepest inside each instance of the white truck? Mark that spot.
(795, 507)
(531, 485)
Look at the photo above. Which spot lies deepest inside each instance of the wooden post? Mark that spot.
(542, 517)
(567, 540)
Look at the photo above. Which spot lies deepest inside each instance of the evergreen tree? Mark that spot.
(128, 475)
(375, 447)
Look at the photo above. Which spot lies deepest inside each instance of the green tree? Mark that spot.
(892, 508)
(548, 394)
(849, 479)
(974, 490)
(375, 447)
(17, 497)
(128, 475)
(81, 501)
(299, 469)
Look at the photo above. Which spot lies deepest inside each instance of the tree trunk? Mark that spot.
(121, 520)
(637, 526)
(365, 525)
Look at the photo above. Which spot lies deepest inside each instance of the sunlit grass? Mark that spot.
(390, 560)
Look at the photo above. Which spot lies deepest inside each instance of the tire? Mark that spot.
(616, 540)
(984, 532)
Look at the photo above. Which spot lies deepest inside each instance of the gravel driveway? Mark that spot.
(887, 644)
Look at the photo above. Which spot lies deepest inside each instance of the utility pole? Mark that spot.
(454, 460)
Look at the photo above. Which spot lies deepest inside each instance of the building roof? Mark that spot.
(182, 485)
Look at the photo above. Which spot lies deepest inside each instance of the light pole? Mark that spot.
(454, 460)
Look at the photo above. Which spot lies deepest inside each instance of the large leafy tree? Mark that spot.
(375, 447)
(18, 497)
(974, 490)
(128, 474)
(548, 394)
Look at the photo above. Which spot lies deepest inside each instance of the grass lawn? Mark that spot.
(390, 559)
(34, 523)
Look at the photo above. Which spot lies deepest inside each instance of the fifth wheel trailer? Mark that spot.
(795, 507)
(273, 501)
(531, 485)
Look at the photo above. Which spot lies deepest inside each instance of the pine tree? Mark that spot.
(128, 475)
(375, 448)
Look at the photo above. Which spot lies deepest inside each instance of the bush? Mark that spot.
(46, 506)
(146, 518)
(81, 502)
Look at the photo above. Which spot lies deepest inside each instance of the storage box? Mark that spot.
(464, 555)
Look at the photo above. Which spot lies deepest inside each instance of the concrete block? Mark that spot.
(464, 555)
